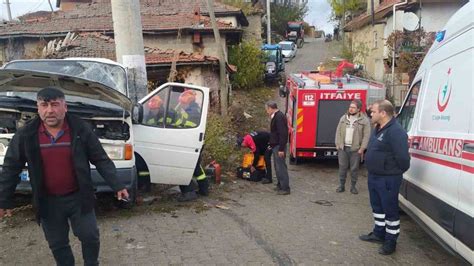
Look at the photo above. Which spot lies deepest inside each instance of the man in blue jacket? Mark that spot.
(387, 158)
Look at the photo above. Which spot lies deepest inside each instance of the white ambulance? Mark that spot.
(438, 114)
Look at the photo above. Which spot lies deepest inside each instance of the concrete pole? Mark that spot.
(269, 28)
(9, 12)
(394, 24)
(129, 48)
(222, 60)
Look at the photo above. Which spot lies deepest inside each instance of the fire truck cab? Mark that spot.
(315, 101)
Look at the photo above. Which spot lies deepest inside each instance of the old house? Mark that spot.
(171, 29)
(369, 31)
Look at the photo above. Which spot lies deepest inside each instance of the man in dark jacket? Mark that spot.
(257, 142)
(278, 141)
(387, 158)
(58, 148)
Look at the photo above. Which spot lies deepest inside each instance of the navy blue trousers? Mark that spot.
(383, 191)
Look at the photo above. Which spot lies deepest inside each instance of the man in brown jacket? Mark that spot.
(352, 137)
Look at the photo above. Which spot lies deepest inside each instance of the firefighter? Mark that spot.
(189, 115)
(156, 113)
(386, 160)
(257, 142)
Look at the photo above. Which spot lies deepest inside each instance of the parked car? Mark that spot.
(288, 49)
(438, 114)
(97, 91)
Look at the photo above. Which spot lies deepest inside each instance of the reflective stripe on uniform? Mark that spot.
(202, 176)
(393, 232)
(392, 223)
(379, 223)
(379, 215)
(143, 173)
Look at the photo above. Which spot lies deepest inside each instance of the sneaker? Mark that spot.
(340, 189)
(388, 248)
(283, 192)
(354, 190)
(266, 181)
(371, 238)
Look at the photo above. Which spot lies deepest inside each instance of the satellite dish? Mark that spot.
(410, 21)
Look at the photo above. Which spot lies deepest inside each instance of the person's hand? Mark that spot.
(252, 169)
(361, 153)
(281, 154)
(122, 194)
(5, 213)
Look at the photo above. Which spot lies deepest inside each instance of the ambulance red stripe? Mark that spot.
(450, 164)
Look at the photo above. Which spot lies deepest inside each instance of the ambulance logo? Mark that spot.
(444, 94)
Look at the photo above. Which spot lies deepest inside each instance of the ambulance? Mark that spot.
(438, 114)
(315, 101)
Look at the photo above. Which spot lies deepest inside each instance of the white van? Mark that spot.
(438, 114)
(97, 90)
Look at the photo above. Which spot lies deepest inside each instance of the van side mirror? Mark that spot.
(137, 113)
(282, 91)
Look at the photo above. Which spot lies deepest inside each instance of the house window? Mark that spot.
(375, 41)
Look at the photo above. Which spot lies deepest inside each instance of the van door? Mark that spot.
(464, 221)
(171, 134)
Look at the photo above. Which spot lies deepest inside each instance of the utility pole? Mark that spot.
(222, 61)
(269, 28)
(50, 6)
(129, 48)
(9, 10)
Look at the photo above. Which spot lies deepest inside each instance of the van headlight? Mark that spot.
(119, 152)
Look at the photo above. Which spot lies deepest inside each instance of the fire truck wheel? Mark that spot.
(293, 160)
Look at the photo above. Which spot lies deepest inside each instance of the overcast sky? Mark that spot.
(318, 15)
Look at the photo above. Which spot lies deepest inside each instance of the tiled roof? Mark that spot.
(380, 12)
(97, 17)
(98, 45)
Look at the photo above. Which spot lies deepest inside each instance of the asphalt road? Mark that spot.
(242, 223)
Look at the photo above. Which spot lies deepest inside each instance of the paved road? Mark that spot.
(243, 223)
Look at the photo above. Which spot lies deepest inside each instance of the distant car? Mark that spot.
(288, 49)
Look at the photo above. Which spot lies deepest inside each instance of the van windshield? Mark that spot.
(113, 76)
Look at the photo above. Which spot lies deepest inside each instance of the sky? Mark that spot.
(318, 14)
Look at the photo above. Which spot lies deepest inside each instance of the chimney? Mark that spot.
(68, 5)
(197, 15)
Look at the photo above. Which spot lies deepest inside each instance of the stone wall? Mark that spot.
(254, 30)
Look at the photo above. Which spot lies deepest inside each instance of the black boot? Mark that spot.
(341, 187)
(388, 247)
(187, 196)
(354, 189)
(203, 187)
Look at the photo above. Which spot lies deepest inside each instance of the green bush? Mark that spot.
(247, 57)
(219, 142)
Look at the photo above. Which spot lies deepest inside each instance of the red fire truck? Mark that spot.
(315, 101)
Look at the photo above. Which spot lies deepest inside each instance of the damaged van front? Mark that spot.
(95, 91)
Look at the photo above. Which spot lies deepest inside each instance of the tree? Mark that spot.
(250, 70)
(282, 13)
(341, 6)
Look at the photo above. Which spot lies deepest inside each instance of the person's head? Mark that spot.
(355, 107)
(382, 112)
(246, 142)
(187, 97)
(52, 106)
(271, 107)
(155, 103)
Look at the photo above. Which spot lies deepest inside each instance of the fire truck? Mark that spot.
(315, 101)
